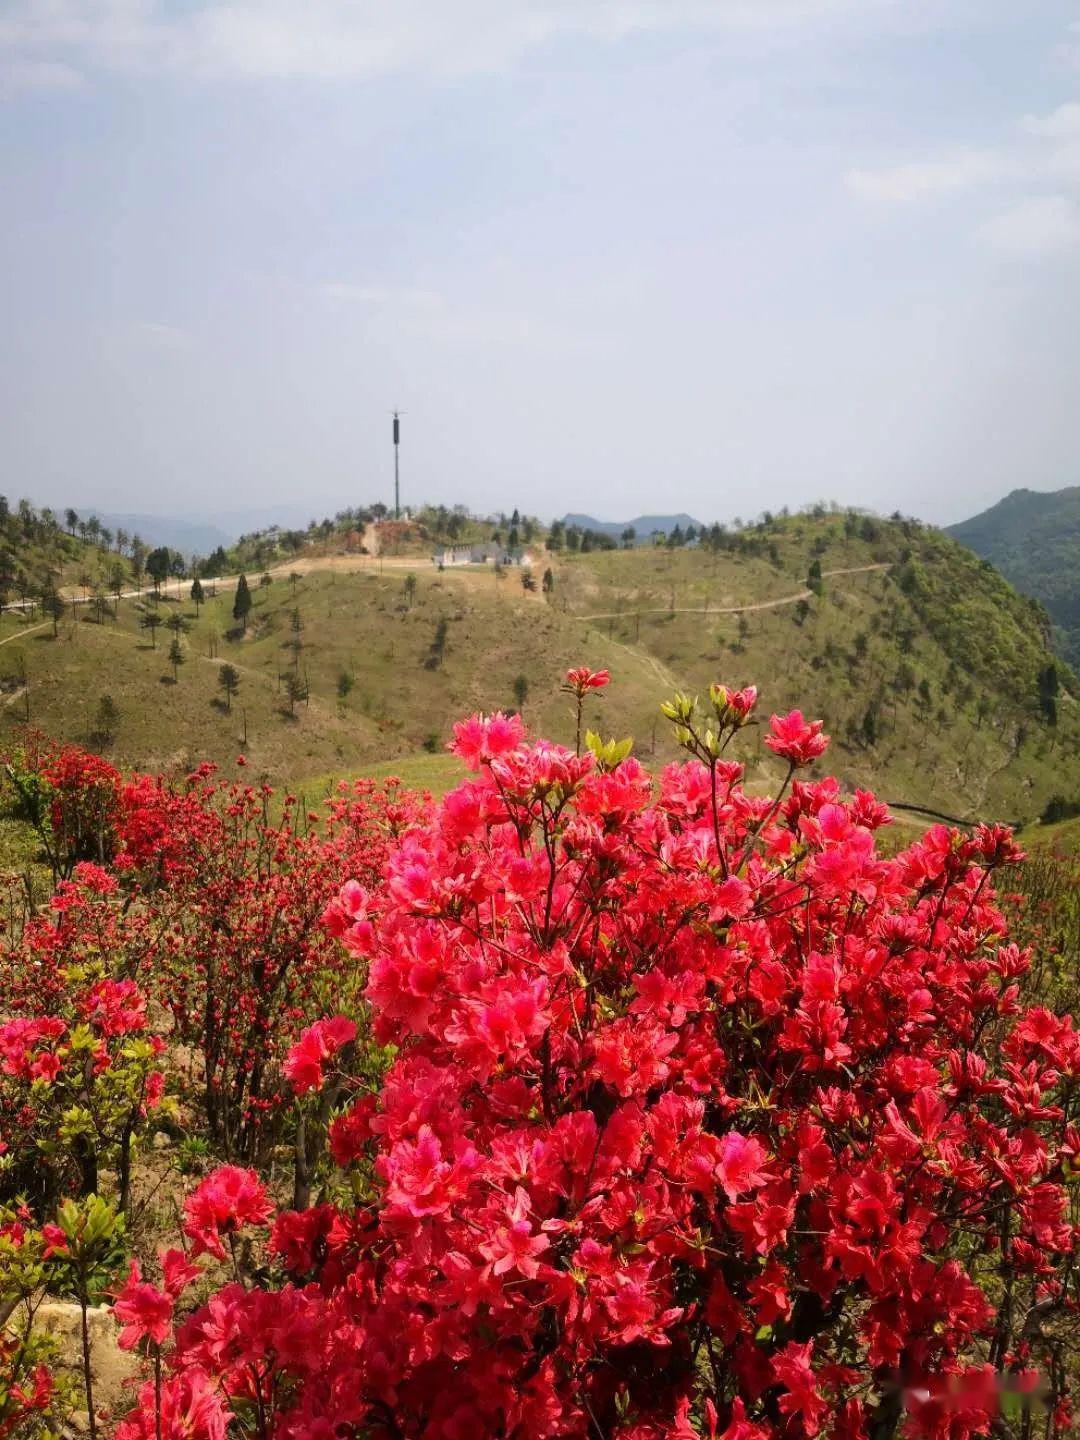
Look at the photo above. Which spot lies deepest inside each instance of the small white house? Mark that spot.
(485, 553)
(448, 555)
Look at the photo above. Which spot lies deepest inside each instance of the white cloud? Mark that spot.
(1034, 228)
(1069, 50)
(928, 179)
(41, 75)
(1051, 151)
(1044, 162)
(351, 39)
(1061, 124)
(157, 336)
(413, 299)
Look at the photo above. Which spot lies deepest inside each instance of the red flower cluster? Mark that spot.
(797, 740)
(582, 679)
(706, 1118)
(240, 958)
(318, 1044)
(224, 1203)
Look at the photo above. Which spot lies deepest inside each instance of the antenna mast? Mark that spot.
(397, 483)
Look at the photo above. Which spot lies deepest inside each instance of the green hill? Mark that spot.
(41, 550)
(1034, 540)
(932, 674)
(385, 669)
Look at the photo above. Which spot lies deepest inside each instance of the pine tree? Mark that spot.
(100, 609)
(229, 683)
(176, 657)
(242, 603)
(197, 595)
(105, 720)
(295, 689)
(52, 605)
(151, 621)
(158, 564)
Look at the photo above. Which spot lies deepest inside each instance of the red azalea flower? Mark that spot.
(796, 739)
(226, 1201)
(144, 1311)
(582, 679)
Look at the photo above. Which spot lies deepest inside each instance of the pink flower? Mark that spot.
(319, 1042)
(793, 1370)
(190, 1410)
(733, 706)
(143, 1311)
(732, 898)
(115, 1007)
(56, 1242)
(350, 1132)
(45, 1067)
(581, 679)
(796, 739)
(740, 1428)
(225, 1201)
(422, 1180)
(177, 1272)
(485, 737)
(515, 1245)
(739, 1168)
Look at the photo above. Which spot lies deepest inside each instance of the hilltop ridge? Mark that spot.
(1033, 538)
(643, 526)
(932, 674)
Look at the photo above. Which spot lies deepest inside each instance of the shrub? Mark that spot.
(705, 1118)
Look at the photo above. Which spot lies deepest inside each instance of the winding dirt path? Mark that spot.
(803, 594)
(20, 633)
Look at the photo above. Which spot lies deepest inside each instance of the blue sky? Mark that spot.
(712, 255)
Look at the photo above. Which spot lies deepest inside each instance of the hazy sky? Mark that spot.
(608, 255)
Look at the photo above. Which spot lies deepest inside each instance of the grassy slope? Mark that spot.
(935, 614)
(976, 644)
(357, 623)
(1034, 540)
(1064, 837)
(36, 555)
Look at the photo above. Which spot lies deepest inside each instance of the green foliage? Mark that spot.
(105, 719)
(296, 690)
(1059, 808)
(1034, 540)
(242, 601)
(609, 753)
(228, 683)
(151, 621)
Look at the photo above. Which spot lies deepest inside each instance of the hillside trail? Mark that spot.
(803, 594)
(353, 564)
(659, 669)
(28, 631)
(250, 671)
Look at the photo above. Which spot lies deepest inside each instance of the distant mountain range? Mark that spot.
(1033, 538)
(643, 526)
(193, 535)
(190, 537)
